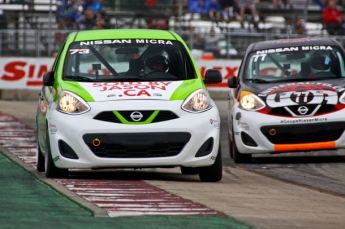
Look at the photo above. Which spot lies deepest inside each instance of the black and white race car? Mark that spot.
(288, 97)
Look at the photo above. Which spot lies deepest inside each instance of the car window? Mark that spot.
(297, 62)
(126, 60)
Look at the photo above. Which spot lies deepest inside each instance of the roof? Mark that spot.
(124, 34)
(270, 44)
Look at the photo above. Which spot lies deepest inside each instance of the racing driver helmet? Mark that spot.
(155, 60)
(320, 63)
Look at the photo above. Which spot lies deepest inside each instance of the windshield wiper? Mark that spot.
(79, 78)
(123, 79)
(161, 79)
(257, 80)
(299, 79)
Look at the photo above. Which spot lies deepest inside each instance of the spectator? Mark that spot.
(61, 8)
(249, 7)
(214, 10)
(151, 2)
(194, 39)
(197, 6)
(299, 26)
(94, 4)
(74, 14)
(212, 43)
(333, 19)
(323, 3)
(99, 20)
(281, 4)
(86, 4)
(89, 18)
(230, 12)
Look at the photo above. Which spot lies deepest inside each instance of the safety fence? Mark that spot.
(32, 30)
(45, 43)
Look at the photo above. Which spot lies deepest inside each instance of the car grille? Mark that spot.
(291, 134)
(137, 145)
(109, 116)
(319, 110)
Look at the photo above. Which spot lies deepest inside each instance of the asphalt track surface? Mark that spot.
(28, 202)
(255, 199)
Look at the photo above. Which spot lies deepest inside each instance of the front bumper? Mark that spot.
(257, 133)
(102, 144)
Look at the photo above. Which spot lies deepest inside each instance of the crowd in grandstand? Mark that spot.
(331, 12)
(333, 18)
(77, 14)
(232, 10)
(90, 14)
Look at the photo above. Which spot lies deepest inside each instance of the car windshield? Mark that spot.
(294, 64)
(127, 60)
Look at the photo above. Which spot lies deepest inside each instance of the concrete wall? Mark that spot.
(19, 94)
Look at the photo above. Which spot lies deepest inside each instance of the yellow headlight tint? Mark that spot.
(68, 103)
(248, 102)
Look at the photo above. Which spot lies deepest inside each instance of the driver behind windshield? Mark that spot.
(320, 63)
(156, 60)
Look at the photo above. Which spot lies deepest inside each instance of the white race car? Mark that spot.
(127, 99)
(288, 96)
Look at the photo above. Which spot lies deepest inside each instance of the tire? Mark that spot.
(39, 159)
(51, 170)
(189, 170)
(39, 155)
(230, 146)
(237, 156)
(213, 173)
(40, 167)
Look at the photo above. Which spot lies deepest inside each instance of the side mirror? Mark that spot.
(232, 82)
(48, 78)
(213, 76)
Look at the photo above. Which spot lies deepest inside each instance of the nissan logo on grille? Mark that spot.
(136, 116)
(302, 110)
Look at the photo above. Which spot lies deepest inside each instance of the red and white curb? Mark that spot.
(124, 198)
(117, 197)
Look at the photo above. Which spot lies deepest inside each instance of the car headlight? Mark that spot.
(197, 102)
(342, 98)
(71, 103)
(249, 101)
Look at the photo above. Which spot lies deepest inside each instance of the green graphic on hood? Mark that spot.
(76, 88)
(186, 88)
(147, 121)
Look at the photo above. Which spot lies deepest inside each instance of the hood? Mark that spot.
(113, 91)
(298, 93)
(131, 90)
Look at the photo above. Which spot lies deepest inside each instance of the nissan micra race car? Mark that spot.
(288, 96)
(127, 99)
